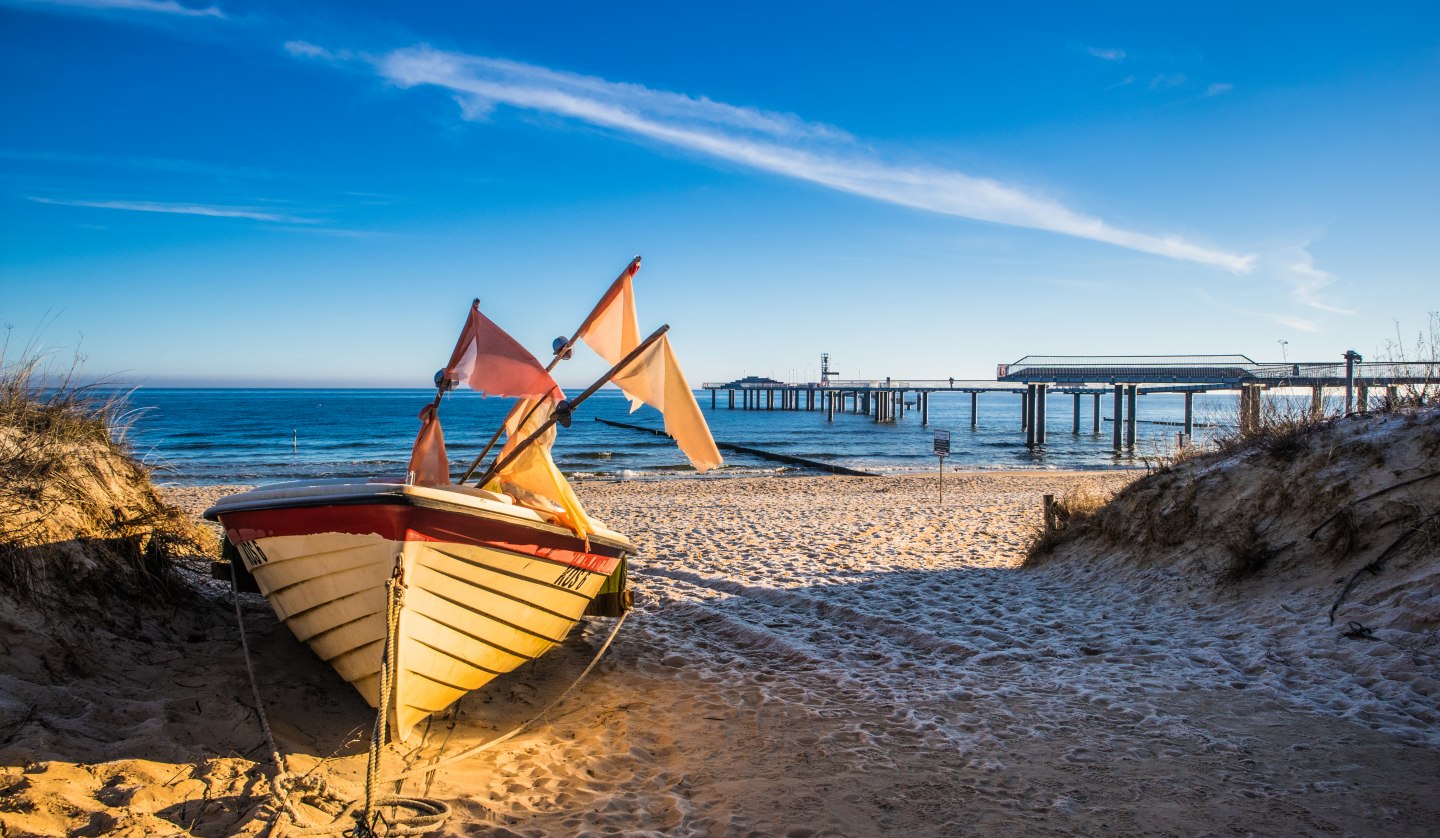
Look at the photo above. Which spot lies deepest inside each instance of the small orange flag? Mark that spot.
(429, 463)
(533, 474)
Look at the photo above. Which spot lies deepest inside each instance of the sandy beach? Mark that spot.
(808, 656)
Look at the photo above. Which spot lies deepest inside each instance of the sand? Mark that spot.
(808, 656)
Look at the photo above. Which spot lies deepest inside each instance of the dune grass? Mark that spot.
(74, 505)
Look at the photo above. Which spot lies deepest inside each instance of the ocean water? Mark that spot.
(209, 436)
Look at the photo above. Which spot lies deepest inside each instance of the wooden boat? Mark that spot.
(488, 584)
(467, 582)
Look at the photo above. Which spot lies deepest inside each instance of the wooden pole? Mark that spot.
(562, 353)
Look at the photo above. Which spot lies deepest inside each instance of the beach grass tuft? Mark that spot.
(76, 510)
(1302, 492)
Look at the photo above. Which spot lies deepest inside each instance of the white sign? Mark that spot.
(942, 443)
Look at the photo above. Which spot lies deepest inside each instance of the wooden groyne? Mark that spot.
(756, 452)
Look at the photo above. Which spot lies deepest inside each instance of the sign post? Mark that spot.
(942, 448)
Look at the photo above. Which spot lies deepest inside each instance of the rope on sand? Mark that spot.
(314, 790)
(484, 746)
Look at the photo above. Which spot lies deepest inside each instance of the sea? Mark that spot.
(255, 436)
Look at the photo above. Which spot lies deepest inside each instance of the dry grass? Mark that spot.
(75, 508)
(1253, 506)
(1072, 512)
(1423, 356)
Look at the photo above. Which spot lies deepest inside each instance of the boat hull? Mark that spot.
(483, 589)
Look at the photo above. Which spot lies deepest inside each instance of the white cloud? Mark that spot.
(1219, 88)
(781, 144)
(209, 210)
(1306, 281)
(169, 7)
(1106, 54)
(160, 164)
(303, 49)
(1299, 324)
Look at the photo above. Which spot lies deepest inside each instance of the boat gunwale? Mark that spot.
(389, 497)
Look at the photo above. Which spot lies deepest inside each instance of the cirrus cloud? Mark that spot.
(777, 143)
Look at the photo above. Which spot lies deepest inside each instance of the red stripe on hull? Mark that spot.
(404, 522)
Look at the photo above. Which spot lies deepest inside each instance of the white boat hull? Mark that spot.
(485, 587)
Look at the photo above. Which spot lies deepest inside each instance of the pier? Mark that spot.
(1120, 379)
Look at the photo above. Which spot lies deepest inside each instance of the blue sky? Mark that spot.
(238, 193)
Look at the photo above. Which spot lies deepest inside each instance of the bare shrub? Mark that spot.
(1420, 359)
(1287, 422)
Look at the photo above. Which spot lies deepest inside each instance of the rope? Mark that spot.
(394, 599)
(484, 746)
(281, 770)
(314, 790)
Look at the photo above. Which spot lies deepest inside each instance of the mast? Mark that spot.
(564, 410)
(563, 347)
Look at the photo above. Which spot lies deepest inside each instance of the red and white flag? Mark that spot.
(493, 363)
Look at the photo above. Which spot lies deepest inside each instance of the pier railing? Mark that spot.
(869, 384)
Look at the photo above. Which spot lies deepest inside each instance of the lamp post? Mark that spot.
(1283, 343)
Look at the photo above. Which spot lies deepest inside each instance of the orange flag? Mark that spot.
(655, 378)
(428, 461)
(612, 330)
(493, 363)
(532, 478)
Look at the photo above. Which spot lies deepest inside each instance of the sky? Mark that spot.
(247, 193)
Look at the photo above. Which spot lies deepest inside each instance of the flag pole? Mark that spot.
(560, 354)
(574, 403)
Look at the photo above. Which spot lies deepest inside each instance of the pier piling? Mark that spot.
(1119, 414)
(1041, 397)
(1130, 417)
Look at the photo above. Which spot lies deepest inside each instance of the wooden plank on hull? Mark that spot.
(471, 618)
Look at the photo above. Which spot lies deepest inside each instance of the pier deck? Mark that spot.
(1124, 378)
